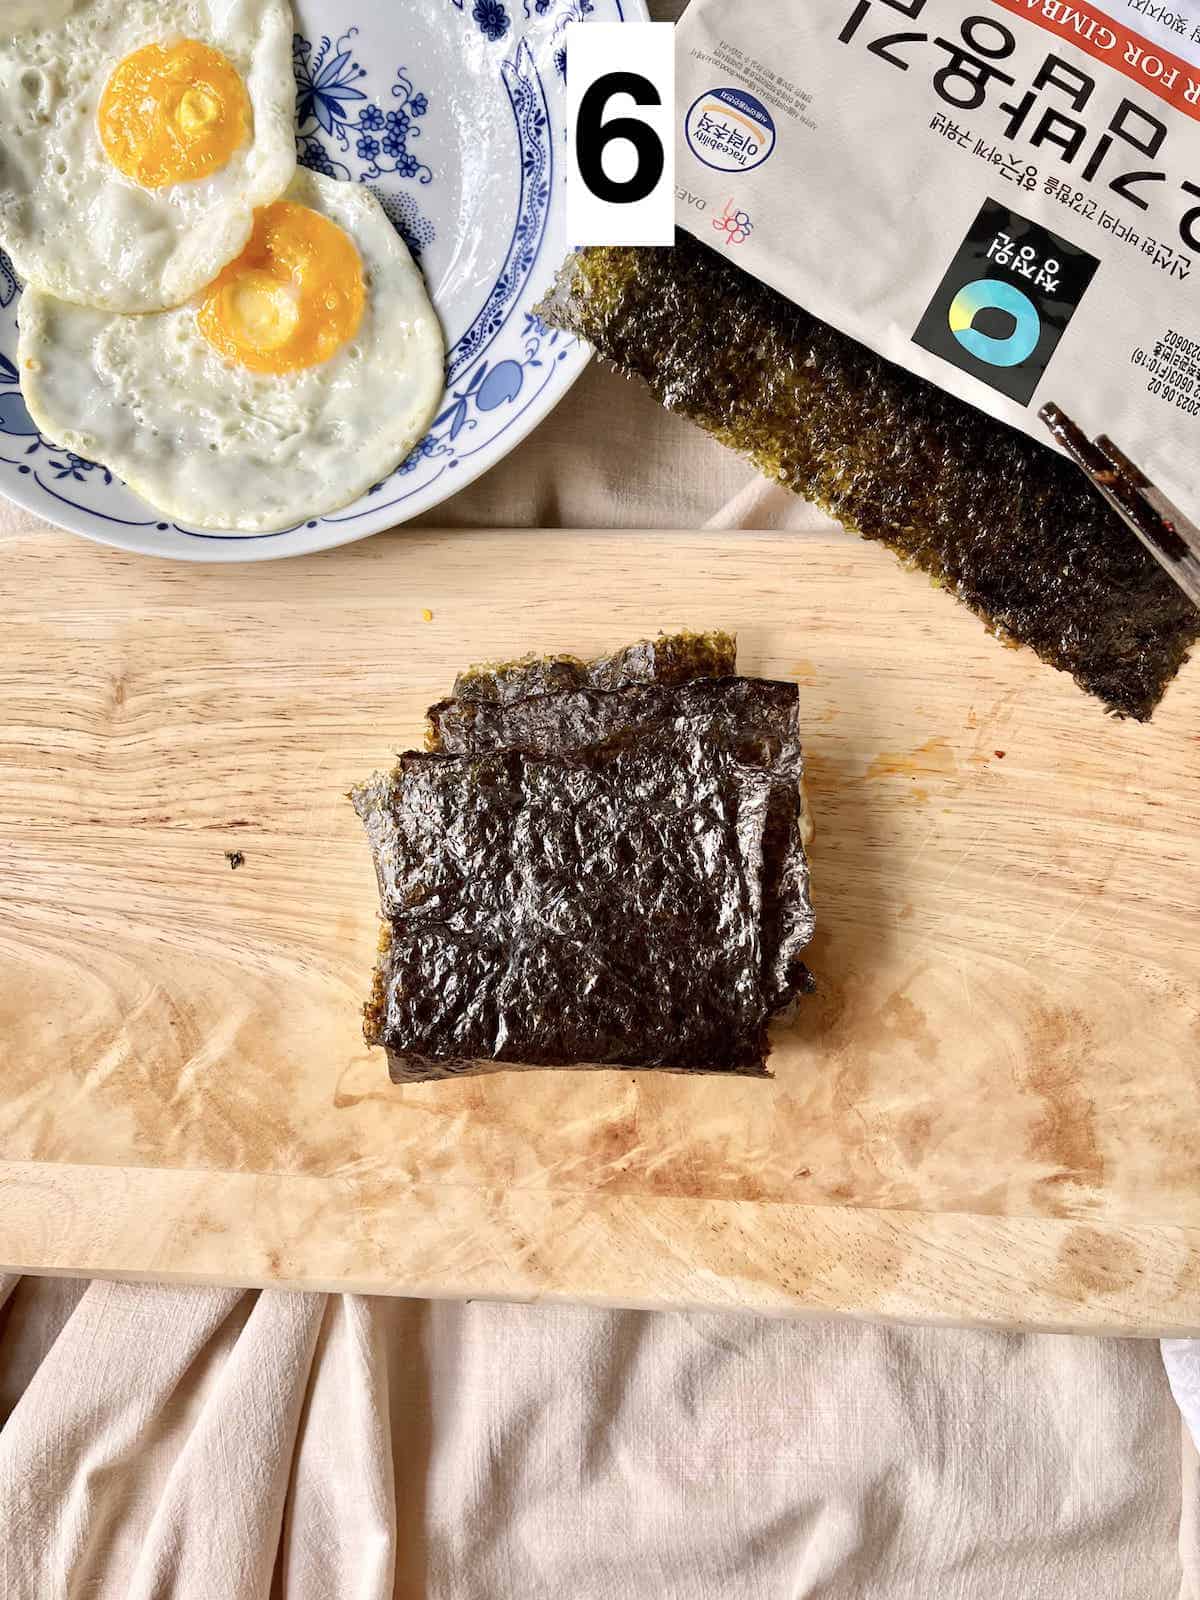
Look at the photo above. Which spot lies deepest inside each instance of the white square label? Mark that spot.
(620, 133)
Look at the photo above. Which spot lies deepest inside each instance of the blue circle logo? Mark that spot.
(729, 130)
(993, 294)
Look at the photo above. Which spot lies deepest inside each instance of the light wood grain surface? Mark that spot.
(988, 1114)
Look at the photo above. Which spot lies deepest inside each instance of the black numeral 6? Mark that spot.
(593, 135)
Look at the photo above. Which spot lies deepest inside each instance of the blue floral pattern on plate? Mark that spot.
(326, 92)
(563, 12)
(325, 96)
(363, 117)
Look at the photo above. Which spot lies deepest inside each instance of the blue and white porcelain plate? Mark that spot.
(454, 112)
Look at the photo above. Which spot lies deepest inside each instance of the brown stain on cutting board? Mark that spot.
(902, 1020)
(1186, 1280)
(914, 1132)
(860, 1042)
(1091, 1263)
(934, 758)
(1064, 1137)
(931, 761)
(696, 1168)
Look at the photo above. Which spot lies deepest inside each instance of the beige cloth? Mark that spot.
(212, 1445)
(179, 1444)
(611, 457)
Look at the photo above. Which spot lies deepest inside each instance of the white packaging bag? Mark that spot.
(1002, 196)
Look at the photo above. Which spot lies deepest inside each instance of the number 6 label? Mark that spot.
(620, 133)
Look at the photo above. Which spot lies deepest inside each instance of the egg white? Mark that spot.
(80, 229)
(214, 445)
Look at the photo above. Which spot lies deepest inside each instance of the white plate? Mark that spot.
(454, 112)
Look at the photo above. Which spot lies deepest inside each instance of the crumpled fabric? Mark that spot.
(206, 1444)
(1181, 1357)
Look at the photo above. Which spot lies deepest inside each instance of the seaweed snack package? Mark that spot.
(1002, 196)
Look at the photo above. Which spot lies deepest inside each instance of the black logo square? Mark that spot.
(1005, 301)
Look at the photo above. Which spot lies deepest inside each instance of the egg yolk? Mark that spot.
(293, 297)
(172, 113)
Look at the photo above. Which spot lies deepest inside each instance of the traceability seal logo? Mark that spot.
(729, 130)
(1005, 301)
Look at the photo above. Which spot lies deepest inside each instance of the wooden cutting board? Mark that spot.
(988, 1115)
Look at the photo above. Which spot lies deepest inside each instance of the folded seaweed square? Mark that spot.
(591, 876)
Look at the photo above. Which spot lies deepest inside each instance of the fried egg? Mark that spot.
(137, 137)
(303, 374)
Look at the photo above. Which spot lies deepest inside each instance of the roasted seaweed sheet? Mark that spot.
(600, 909)
(452, 833)
(671, 658)
(758, 717)
(754, 709)
(1009, 526)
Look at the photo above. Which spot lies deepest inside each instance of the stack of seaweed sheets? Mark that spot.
(593, 864)
(1008, 525)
